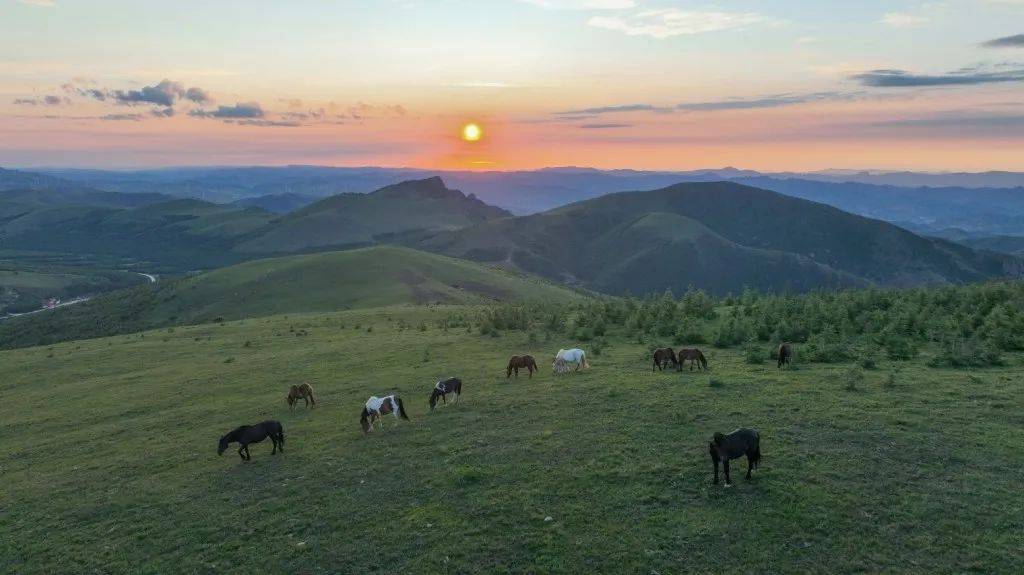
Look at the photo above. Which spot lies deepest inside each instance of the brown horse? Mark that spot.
(662, 357)
(517, 362)
(303, 392)
(694, 355)
(785, 355)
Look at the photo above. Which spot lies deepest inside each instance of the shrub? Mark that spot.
(972, 352)
(752, 353)
(852, 378)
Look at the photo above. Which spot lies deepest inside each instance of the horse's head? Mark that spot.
(364, 420)
(222, 445)
(433, 398)
(290, 398)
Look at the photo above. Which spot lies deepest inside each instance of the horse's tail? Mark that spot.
(401, 408)
(703, 361)
(312, 397)
(280, 434)
(755, 456)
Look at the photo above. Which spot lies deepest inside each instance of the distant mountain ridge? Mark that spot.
(718, 236)
(185, 233)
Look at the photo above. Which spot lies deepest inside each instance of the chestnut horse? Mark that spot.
(694, 355)
(662, 357)
(303, 392)
(521, 361)
(785, 355)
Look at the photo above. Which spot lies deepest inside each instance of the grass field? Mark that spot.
(110, 465)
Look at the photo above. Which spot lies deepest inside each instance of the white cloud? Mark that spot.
(583, 4)
(669, 22)
(903, 20)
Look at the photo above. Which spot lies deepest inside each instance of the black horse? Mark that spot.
(785, 355)
(444, 387)
(247, 434)
(724, 447)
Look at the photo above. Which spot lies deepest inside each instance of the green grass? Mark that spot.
(327, 281)
(109, 460)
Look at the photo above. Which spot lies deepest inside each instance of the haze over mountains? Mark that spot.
(987, 203)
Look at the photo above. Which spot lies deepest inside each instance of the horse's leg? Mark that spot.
(725, 468)
(750, 464)
(273, 440)
(714, 463)
(241, 452)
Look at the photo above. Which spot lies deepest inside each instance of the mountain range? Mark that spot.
(719, 236)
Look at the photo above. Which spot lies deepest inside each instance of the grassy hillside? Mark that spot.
(111, 444)
(716, 236)
(326, 281)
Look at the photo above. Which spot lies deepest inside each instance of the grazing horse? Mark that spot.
(564, 357)
(785, 355)
(521, 361)
(662, 357)
(377, 407)
(443, 387)
(247, 434)
(297, 392)
(734, 445)
(694, 355)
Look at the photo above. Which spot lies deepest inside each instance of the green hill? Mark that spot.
(716, 236)
(352, 219)
(187, 234)
(369, 277)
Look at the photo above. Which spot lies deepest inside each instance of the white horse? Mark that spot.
(377, 407)
(565, 357)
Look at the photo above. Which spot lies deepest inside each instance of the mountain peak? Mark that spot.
(433, 187)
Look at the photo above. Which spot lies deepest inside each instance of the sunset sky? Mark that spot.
(645, 84)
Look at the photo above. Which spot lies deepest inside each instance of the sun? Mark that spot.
(471, 132)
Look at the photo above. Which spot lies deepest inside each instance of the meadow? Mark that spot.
(110, 461)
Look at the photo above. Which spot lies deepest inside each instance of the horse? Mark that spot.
(694, 355)
(297, 392)
(564, 357)
(376, 407)
(662, 357)
(734, 445)
(785, 355)
(247, 434)
(521, 361)
(443, 387)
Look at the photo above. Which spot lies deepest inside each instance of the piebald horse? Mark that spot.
(443, 387)
(566, 357)
(377, 407)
